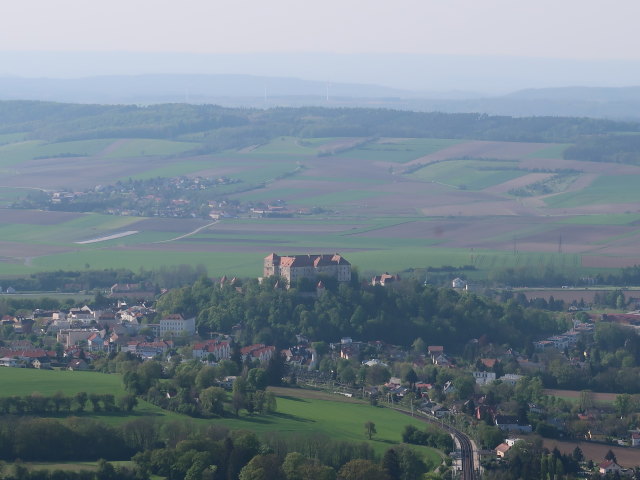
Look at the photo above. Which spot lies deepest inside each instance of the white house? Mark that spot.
(8, 362)
(483, 378)
(176, 325)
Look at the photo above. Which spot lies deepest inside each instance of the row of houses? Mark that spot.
(485, 378)
(259, 351)
(567, 339)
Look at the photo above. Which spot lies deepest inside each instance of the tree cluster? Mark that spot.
(59, 403)
(395, 315)
(430, 437)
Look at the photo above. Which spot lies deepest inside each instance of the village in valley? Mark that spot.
(492, 391)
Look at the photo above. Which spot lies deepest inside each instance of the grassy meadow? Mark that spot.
(469, 174)
(398, 150)
(25, 381)
(299, 411)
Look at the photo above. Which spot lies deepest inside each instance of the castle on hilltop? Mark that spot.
(295, 267)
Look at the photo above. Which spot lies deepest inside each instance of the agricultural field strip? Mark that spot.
(607, 189)
(554, 151)
(600, 219)
(614, 238)
(474, 175)
(521, 230)
(377, 227)
(399, 150)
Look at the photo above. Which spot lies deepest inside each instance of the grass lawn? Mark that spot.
(25, 381)
(339, 420)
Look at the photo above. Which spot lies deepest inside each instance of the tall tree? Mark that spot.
(370, 429)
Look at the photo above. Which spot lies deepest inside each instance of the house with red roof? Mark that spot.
(221, 350)
(261, 352)
(502, 449)
(609, 466)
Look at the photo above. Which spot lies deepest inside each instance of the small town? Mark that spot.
(493, 392)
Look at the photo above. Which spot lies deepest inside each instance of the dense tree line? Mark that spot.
(550, 277)
(430, 436)
(104, 471)
(74, 281)
(59, 403)
(396, 315)
(193, 388)
(222, 128)
(45, 439)
(606, 148)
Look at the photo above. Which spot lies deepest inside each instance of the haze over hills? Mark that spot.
(265, 91)
(487, 74)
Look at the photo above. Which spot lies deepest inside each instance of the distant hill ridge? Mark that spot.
(222, 128)
(600, 94)
(265, 92)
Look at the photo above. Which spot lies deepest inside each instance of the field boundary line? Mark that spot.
(197, 230)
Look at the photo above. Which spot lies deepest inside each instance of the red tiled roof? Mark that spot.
(503, 447)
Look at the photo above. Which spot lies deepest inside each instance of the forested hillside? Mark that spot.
(222, 128)
(268, 314)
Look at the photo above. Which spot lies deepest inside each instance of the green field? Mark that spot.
(15, 153)
(338, 420)
(330, 199)
(143, 147)
(614, 219)
(25, 381)
(217, 263)
(285, 146)
(364, 196)
(398, 151)
(553, 151)
(604, 190)
(237, 247)
(469, 174)
(9, 195)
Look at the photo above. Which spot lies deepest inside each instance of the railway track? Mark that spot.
(466, 448)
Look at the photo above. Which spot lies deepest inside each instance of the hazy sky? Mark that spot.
(581, 29)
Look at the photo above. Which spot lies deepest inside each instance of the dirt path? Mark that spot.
(108, 237)
(197, 230)
(111, 148)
